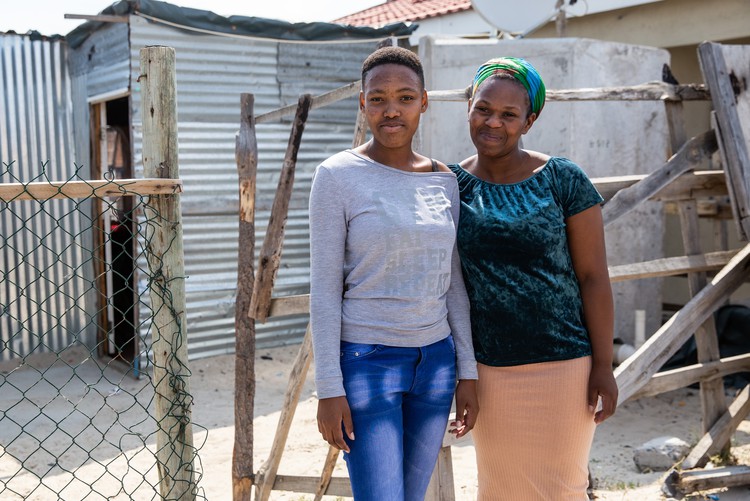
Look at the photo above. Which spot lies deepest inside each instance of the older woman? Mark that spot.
(531, 242)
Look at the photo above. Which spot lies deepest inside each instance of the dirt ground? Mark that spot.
(616, 477)
(25, 467)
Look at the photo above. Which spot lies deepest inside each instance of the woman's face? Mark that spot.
(499, 116)
(393, 99)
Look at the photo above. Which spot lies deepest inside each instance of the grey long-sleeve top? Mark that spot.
(384, 264)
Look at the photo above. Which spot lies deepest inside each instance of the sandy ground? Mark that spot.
(672, 414)
(25, 467)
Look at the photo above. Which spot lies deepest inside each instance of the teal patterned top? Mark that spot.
(525, 301)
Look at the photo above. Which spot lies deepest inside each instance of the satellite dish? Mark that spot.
(521, 16)
(515, 16)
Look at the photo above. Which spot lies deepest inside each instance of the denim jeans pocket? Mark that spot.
(451, 342)
(357, 351)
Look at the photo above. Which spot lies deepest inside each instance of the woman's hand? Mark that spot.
(467, 407)
(602, 384)
(332, 412)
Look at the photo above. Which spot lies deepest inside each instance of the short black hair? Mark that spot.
(393, 55)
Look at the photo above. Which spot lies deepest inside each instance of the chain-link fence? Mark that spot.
(77, 380)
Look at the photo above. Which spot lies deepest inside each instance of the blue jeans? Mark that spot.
(400, 399)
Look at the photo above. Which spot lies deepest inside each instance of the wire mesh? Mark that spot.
(77, 394)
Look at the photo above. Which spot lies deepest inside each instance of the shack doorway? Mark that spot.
(115, 235)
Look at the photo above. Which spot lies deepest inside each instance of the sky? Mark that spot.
(48, 16)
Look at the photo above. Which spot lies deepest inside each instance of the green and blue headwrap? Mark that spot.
(522, 71)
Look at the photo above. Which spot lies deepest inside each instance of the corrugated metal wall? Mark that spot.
(212, 72)
(104, 61)
(36, 290)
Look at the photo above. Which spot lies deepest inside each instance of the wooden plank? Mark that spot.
(713, 402)
(670, 266)
(720, 433)
(674, 379)
(652, 91)
(172, 401)
(687, 482)
(360, 130)
(696, 184)
(726, 72)
(339, 486)
(289, 305)
(636, 371)
(11, 192)
(327, 473)
(270, 253)
(690, 156)
(246, 156)
(718, 209)
(344, 92)
(441, 486)
(266, 476)
(729, 175)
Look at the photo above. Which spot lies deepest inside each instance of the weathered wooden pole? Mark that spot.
(174, 437)
(266, 477)
(270, 252)
(713, 401)
(246, 154)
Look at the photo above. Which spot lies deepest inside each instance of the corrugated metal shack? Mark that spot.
(217, 59)
(36, 128)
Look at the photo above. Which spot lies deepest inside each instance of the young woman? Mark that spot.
(531, 241)
(389, 311)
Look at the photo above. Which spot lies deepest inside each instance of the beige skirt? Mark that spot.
(534, 431)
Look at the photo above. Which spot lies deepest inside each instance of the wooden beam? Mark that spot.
(687, 482)
(338, 486)
(289, 305)
(713, 401)
(270, 252)
(720, 433)
(652, 91)
(670, 266)
(318, 101)
(360, 130)
(636, 371)
(726, 72)
(718, 209)
(11, 192)
(665, 381)
(171, 375)
(327, 474)
(441, 486)
(266, 479)
(690, 156)
(696, 184)
(246, 157)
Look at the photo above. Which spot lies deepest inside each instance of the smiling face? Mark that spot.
(498, 116)
(392, 99)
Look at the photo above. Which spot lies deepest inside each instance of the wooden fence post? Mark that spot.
(174, 437)
(270, 252)
(707, 342)
(246, 154)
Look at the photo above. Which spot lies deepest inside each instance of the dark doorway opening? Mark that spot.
(117, 235)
